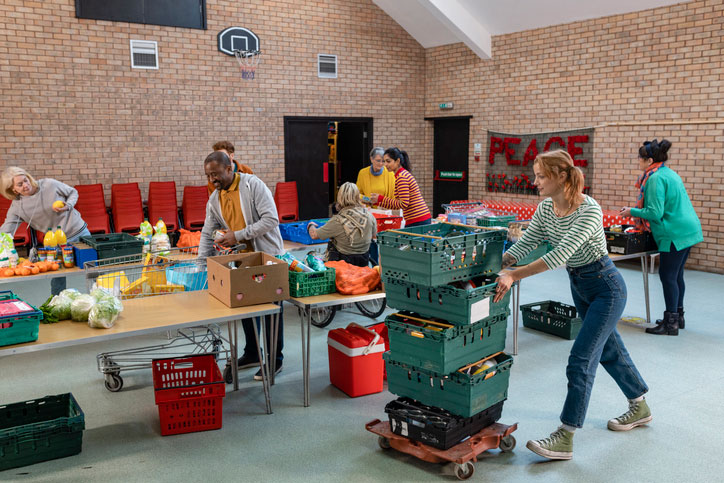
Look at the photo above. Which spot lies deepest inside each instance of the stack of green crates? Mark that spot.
(442, 279)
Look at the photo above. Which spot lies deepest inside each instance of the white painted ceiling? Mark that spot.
(440, 22)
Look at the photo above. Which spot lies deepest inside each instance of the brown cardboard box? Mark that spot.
(252, 282)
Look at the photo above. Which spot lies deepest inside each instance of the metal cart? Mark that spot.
(147, 275)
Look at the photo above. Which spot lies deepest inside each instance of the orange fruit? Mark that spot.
(58, 204)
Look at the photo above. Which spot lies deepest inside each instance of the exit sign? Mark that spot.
(446, 105)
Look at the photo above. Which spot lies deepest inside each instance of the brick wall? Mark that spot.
(653, 67)
(72, 108)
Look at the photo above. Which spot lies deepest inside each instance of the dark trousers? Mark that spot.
(251, 348)
(360, 260)
(419, 223)
(671, 273)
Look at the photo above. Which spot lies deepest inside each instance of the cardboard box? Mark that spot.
(254, 281)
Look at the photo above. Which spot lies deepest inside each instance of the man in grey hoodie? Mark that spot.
(243, 207)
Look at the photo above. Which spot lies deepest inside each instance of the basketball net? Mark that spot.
(248, 61)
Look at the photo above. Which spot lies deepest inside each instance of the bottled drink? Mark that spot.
(294, 264)
(146, 228)
(160, 227)
(13, 258)
(49, 239)
(60, 237)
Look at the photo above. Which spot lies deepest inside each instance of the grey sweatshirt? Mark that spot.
(260, 214)
(37, 210)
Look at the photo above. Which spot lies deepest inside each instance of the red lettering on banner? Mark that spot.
(574, 150)
(496, 146)
(554, 139)
(510, 152)
(530, 153)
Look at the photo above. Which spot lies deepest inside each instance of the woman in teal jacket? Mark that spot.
(664, 208)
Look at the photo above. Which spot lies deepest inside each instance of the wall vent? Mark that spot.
(327, 66)
(144, 54)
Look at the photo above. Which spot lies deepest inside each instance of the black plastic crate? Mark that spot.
(113, 245)
(40, 430)
(622, 243)
(553, 318)
(434, 426)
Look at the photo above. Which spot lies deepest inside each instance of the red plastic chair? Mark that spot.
(287, 201)
(162, 204)
(22, 234)
(193, 206)
(126, 207)
(92, 208)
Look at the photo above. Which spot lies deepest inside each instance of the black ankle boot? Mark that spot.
(669, 326)
(681, 318)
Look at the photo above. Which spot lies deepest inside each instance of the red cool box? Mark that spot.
(355, 360)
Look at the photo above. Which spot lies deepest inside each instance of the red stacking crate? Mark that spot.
(189, 392)
(387, 222)
(355, 360)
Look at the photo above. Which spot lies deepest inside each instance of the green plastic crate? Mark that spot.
(40, 430)
(23, 328)
(553, 318)
(496, 220)
(543, 248)
(460, 394)
(112, 245)
(305, 284)
(454, 305)
(445, 350)
(460, 253)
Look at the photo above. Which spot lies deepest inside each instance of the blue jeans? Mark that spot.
(419, 223)
(599, 293)
(58, 284)
(671, 273)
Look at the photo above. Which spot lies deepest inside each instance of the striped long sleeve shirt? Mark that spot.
(577, 239)
(408, 198)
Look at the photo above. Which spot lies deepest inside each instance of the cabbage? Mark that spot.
(60, 306)
(70, 293)
(99, 293)
(104, 313)
(81, 306)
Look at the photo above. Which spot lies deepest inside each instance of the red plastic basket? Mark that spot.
(387, 222)
(189, 393)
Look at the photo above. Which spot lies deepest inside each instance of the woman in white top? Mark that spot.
(572, 223)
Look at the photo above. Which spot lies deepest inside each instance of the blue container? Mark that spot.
(297, 232)
(188, 275)
(83, 253)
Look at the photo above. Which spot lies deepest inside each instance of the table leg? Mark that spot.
(263, 359)
(233, 350)
(309, 343)
(645, 270)
(516, 314)
(273, 350)
(305, 316)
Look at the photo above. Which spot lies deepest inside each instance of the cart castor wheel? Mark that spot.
(465, 470)
(507, 443)
(228, 376)
(383, 442)
(113, 382)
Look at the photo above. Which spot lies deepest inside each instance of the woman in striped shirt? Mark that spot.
(408, 197)
(572, 223)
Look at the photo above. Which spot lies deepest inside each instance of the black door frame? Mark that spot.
(449, 118)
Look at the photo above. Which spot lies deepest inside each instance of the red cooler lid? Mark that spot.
(354, 336)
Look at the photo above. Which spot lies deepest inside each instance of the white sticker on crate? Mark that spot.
(480, 309)
(404, 429)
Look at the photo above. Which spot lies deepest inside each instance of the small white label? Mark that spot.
(404, 429)
(22, 306)
(480, 309)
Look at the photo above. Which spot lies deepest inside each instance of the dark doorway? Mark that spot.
(321, 153)
(450, 161)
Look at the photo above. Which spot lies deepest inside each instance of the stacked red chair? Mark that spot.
(22, 234)
(126, 207)
(193, 206)
(285, 197)
(162, 204)
(92, 208)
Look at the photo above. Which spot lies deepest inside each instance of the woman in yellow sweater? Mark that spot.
(376, 178)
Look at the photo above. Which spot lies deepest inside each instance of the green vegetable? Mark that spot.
(104, 313)
(49, 316)
(81, 306)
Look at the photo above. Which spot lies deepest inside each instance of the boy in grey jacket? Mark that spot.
(243, 206)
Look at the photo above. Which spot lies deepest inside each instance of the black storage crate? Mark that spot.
(113, 245)
(553, 318)
(40, 430)
(622, 243)
(434, 426)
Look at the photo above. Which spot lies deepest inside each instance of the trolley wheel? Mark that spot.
(322, 317)
(465, 470)
(372, 308)
(228, 376)
(507, 443)
(113, 382)
(216, 346)
(383, 442)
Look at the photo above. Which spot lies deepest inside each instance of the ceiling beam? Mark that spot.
(462, 23)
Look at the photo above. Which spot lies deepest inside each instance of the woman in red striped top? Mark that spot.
(408, 197)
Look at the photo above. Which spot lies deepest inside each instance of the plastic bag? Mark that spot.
(71, 293)
(104, 313)
(160, 244)
(60, 306)
(353, 280)
(6, 243)
(81, 306)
